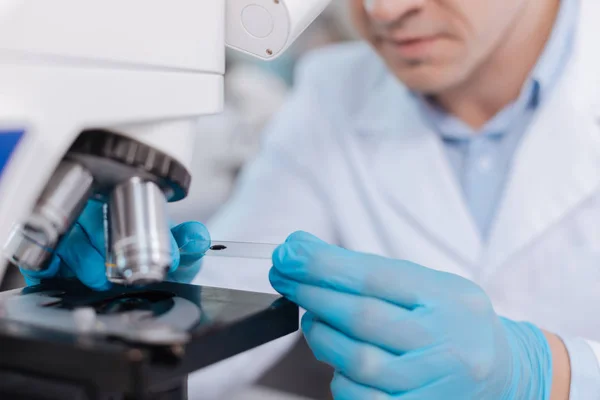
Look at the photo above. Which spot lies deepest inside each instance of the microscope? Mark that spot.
(99, 100)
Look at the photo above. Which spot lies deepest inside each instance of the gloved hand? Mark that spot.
(82, 253)
(395, 330)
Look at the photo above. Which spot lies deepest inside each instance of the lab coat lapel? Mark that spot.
(412, 173)
(558, 163)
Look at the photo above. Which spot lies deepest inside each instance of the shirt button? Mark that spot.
(485, 164)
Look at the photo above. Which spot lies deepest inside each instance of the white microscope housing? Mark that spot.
(103, 98)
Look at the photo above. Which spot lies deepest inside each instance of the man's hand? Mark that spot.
(396, 330)
(81, 254)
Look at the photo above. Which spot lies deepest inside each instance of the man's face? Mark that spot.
(435, 45)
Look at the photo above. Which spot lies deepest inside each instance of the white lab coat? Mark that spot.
(350, 160)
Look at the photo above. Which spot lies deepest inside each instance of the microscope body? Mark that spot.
(100, 100)
(106, 96)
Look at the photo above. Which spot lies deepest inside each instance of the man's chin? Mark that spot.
(425, 78)
(427, 84)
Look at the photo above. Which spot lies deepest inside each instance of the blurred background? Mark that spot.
(254, 91)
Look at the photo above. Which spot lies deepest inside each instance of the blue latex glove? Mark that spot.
(395, 330)
(81, 253)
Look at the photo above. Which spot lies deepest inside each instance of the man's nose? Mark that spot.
(388, 11)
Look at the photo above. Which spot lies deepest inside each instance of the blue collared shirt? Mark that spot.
(482, 162)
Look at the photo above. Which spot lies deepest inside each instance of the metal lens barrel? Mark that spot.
(139, 232)
(65, 196)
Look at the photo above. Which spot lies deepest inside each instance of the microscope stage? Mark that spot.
(61, 340)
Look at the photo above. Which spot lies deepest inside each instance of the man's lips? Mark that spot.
(408, 40)
(412, 47)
